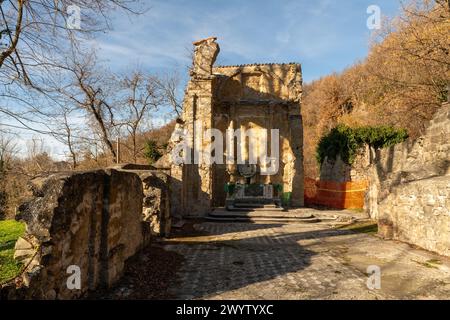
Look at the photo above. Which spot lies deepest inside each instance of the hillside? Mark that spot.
(402, 82)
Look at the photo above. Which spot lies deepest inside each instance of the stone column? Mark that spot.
(198, 117)
(296, 138)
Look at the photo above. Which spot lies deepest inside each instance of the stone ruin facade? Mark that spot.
(254, 96)
(96, 220)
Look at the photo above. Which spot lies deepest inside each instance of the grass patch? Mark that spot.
(10, 230)
(369, 227)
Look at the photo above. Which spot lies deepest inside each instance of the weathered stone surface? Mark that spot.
(410, 188)
(420, 214)
(205, 55)
(337, 170)
(156, 206)
(260, 96)
(92, 220)
(25, 248)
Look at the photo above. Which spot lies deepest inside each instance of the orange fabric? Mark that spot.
(339, 195)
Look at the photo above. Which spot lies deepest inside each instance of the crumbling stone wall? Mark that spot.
(157, 184)
(341, 186)
(91, 220)
(156, 205)
(409, 188)
(339, 171)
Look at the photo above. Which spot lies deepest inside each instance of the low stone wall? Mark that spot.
(409, 188)
(89, 222)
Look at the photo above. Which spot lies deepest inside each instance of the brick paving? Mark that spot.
(300, 261)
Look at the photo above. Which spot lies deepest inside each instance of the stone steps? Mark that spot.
(263, 214)
(261, 219)
(252, 215)
(254, 205)
(251, 208)
(256, 201)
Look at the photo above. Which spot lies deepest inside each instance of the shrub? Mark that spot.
(346, 142)
(151, 151)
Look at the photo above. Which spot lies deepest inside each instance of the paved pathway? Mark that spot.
(301, 261)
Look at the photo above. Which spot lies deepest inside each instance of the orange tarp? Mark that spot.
(339, 195)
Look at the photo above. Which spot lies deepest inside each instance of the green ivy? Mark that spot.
(346, 142)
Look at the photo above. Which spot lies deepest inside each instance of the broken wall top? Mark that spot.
(250, 83)
(258, 83)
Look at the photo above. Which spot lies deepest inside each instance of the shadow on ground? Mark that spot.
(225, 257)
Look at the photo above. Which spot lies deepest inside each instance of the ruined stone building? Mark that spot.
(253, 96)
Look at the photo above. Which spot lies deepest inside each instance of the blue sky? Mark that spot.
(324, 35)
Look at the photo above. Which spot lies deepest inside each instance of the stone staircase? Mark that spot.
(259, 209)
(244, 207)
(259, 213)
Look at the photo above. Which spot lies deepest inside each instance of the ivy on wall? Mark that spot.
(345, 141)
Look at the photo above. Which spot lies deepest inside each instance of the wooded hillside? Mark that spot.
(402, 82)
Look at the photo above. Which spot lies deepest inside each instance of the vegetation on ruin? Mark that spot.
(10, 231)
(347, 142)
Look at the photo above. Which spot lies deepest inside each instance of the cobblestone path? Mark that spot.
(301, 261)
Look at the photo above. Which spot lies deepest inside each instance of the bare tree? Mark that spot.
(141, 95)
(35, 36)
(8, 150)
(38, 159)
(168, 85)
(68, 133)
(29, 28)
(91, 91)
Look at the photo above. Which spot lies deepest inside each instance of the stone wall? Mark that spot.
(91, 220)
(418, 212)
(339, 171)
(157, 203)
(340, 186)
(409, 188)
